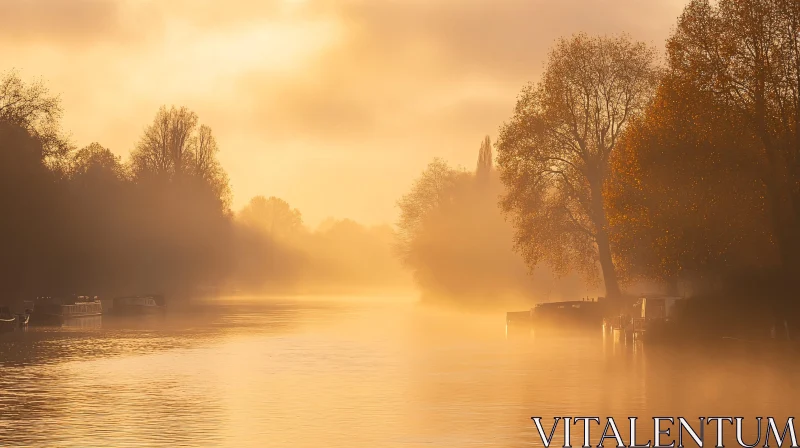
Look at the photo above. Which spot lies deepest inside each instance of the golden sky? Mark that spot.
(333, 105)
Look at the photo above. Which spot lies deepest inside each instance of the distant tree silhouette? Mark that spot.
(175, 148)
(164, 149)
(96, 200)
(273, 216)
(96, 160)
(553, 154)
(29, 200)
(33, 108)
(485, 160)
(430, 191)
(276, 252)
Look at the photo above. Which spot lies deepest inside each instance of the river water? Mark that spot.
(361, 372)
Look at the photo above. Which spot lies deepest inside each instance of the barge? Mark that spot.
(568, 316)
(57, 310)
(138, 305)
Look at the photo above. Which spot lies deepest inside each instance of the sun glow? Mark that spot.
(270, 48)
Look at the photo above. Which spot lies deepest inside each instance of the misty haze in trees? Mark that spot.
(275, 251)
(554, 153)
(452, 236)
(273, 215)
(83, 221)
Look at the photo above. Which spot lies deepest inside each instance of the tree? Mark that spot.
(28, 199)
(746, 53)
(178, 180)
(175, 148)
(685, 196)
(164, 148)
(428, 192)
(273, 216)
(96, 194)
(554, 153)
(95, 159)
(31, 107)
(485, 160)
(204, 165)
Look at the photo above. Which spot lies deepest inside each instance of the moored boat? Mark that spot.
(48, 309)
(7, 320)
(138, 305)
(568, 317)
(559, 317)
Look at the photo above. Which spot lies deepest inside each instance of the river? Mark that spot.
(361, 372)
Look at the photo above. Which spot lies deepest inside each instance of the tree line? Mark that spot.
(624, 166)
(83, 221)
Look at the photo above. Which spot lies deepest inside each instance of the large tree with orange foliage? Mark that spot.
(554, 153)
(685, 197)
(746, 55)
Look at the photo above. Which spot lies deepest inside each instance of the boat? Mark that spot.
(48, 309)
(138, 305)
(570, 316)
(7, 320)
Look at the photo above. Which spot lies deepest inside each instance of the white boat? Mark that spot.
(7, 320)
(137, 305)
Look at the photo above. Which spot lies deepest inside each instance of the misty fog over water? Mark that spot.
(355, 372)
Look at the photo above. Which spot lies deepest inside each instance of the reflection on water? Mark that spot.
(83, 322)
(313, 373)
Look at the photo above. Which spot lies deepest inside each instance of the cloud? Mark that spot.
(505, 38)
(61, 21)
(401, 61)
(320, 111)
